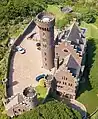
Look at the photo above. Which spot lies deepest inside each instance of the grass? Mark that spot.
(55, 9)
(95, 116)
(88, 96)
(41, 91)
(15, 30)
(96, 23)
(92, 30)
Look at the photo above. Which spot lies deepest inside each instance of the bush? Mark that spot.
(61, 23)
(42, 82)
(89, 18)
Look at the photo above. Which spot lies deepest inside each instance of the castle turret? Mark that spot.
(30, 97)
(45, 22)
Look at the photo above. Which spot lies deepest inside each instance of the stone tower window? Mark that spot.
(19, 110)
(44, 53)
(45, 64)
(45, 59)
(56, 53)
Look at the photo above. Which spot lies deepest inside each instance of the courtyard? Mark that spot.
(24, 68)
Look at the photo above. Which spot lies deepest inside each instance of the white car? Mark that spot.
(20, 49)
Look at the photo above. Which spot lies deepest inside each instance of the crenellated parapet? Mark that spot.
(45, 20)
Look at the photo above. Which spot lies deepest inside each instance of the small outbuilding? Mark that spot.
(66, 9)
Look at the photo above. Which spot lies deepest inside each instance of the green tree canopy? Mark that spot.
(51, 110)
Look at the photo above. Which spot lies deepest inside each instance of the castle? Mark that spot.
(64, 53)
(19, 103)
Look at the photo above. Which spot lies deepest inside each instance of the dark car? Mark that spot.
(38, 44)
(40, 77)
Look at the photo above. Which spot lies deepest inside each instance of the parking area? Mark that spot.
(25, 67)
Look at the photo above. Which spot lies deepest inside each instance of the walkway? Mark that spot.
(79, 106)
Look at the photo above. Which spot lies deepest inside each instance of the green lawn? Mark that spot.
(88, 96)
(41, 91)
(95, 116)
(55, 9)
(92, 30)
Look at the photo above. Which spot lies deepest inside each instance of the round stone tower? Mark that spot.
(30, 97)
(45, 22)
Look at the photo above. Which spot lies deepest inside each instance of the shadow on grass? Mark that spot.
(90, 54)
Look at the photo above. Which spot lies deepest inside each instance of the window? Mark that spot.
(15, 111)
(66, 78)
(19, 110)
(63, 77)
(44, 53)
(45, 59)
(65, 83)
(70, 84)
(56, 53)
(23, 110)
(45, 64)
(65, 50)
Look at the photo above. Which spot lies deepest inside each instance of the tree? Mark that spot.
(89, 17)
(51, 110)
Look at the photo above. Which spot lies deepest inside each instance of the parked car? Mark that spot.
(20, 49)
(40, 77)
(38, 44)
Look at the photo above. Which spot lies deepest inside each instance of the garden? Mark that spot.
(41, 90)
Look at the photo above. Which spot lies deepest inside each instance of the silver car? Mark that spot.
(20, 49)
